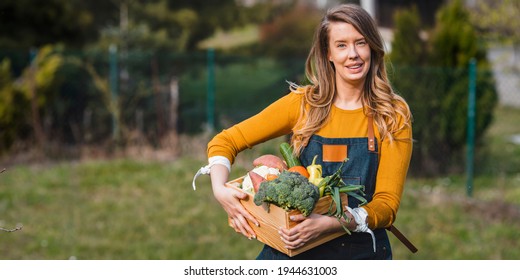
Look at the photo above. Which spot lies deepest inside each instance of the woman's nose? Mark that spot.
(352, 52)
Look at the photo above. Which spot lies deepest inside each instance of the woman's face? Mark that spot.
(349, 52)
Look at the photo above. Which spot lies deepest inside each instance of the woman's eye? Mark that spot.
(361, 43)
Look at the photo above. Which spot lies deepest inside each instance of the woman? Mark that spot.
(348, 110)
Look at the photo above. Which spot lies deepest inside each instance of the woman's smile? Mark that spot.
(355, 68)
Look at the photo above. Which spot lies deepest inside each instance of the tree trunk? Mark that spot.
(35, 113)
(171, 140)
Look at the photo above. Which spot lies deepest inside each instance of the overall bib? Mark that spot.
(360, 169)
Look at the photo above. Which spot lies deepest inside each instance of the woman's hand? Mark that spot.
(309, 228)
(238, 215)
(230, 201)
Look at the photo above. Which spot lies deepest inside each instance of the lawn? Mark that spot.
(145, 209)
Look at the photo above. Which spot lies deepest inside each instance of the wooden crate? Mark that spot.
(277, 217)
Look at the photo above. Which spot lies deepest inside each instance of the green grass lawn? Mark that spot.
(136, 209)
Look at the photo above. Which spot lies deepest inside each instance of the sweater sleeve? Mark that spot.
(393, 167)
(275, 120)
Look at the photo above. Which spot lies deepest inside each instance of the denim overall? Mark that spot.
(360, 169)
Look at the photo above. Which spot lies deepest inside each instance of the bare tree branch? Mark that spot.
(17, 228)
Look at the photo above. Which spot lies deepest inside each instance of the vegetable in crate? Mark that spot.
(289, 191)
(266, 167)
(271, 161)
(287, 153)
(293, 163)
(333, 185)
(315, 171)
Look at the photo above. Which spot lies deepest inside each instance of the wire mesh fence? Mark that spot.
(94, 97)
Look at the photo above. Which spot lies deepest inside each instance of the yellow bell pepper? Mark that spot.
(315, 172)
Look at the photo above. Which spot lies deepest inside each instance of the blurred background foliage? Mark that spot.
(432, 74)
(61, 84)
(99, 79)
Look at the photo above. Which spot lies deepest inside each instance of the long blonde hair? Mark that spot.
(378, 98)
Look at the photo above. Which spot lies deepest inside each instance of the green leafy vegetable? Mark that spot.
(289, 191)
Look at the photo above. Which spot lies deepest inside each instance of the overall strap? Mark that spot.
(371, 137)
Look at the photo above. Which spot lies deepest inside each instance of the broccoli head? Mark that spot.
(290, 190)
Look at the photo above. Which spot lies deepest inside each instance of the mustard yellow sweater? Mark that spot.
(280, 117)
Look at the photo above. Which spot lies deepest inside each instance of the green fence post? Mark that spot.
(113, 78)
(210, 102)
(470, 141)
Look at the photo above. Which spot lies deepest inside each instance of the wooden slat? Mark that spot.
(277, 217)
